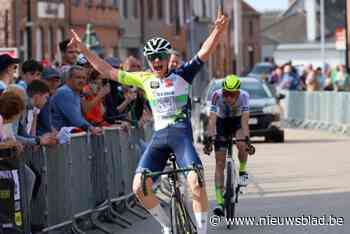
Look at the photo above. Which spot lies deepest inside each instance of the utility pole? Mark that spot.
(323, 41)
(237, 8)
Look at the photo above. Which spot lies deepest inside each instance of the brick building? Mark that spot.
(144, 19)
(104, 17)
(48, 26)
(51, 22)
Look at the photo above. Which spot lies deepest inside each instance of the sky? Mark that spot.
(262, 5)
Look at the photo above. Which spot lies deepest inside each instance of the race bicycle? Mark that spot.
(232, 187)
(181, 222)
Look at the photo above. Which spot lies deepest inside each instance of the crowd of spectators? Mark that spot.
(70, 94)
(288, 77)
(39, 101)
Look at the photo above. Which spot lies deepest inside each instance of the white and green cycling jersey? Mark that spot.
(168, 97)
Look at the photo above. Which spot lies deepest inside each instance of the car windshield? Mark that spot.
(261, 69)
(256, 90)
(215, 85)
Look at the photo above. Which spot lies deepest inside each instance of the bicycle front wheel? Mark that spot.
(229, 204)
(181, 220)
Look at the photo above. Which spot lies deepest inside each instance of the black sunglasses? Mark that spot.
(160, 56)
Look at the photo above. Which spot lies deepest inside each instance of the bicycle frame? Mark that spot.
(179, 215)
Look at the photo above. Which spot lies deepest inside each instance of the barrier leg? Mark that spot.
(110, 216)
(133, 211)
(97, 224)
(118, 216)
(75, 229)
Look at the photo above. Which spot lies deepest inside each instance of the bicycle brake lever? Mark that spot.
(199, 175)
(143, 181)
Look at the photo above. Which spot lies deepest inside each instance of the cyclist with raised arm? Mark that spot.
(167, 92)
(229, 116)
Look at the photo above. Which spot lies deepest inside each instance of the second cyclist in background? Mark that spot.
(229, 116)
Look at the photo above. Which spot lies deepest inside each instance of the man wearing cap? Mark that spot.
(8, 66)
(52, 78)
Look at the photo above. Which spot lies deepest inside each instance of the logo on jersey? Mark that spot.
(155, 84)
(168, 83)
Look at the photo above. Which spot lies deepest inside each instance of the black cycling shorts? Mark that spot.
(226, 128)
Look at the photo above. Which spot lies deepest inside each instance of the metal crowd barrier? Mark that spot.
(84, 180)
(321, 110)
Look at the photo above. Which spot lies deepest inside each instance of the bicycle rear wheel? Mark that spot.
(229, 204)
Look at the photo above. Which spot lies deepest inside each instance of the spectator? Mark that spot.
(341, 79)
(138, 105)
(290, 80)
(312, 83)
(66, 102)
(327, 73)
(52, 78)
(31, 70)
(276, 76)
(115, 102)
(175, 60)
(69, 53)
(94, 94)
(320, 78)
(25, 128)
(11, 107)
(132, 64)
(8, 66)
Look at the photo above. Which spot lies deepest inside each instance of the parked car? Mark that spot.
(261, 70)
(264, 109)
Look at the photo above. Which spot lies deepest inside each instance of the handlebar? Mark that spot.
(146, 175)
(209, 141)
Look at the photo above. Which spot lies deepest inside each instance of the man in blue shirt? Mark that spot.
(52, 77)
(66, 103)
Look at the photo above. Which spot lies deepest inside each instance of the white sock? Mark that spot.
(159, 214)
(202, 222)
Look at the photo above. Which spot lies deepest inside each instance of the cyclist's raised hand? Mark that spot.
(221, 21)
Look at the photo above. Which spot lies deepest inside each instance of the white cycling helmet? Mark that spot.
(156, 45)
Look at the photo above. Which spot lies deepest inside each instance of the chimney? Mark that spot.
(311, 20)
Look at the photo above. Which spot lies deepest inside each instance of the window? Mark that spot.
(160, 9)
(76, 3)
(115, 3)
(150, 9)
(186, 8)
(136, 8)
(50, 41)
(251, 28)
(125, 9)
(88, 3)
(204, 8)
(172, 6)
(39, 43)
(60, 35)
